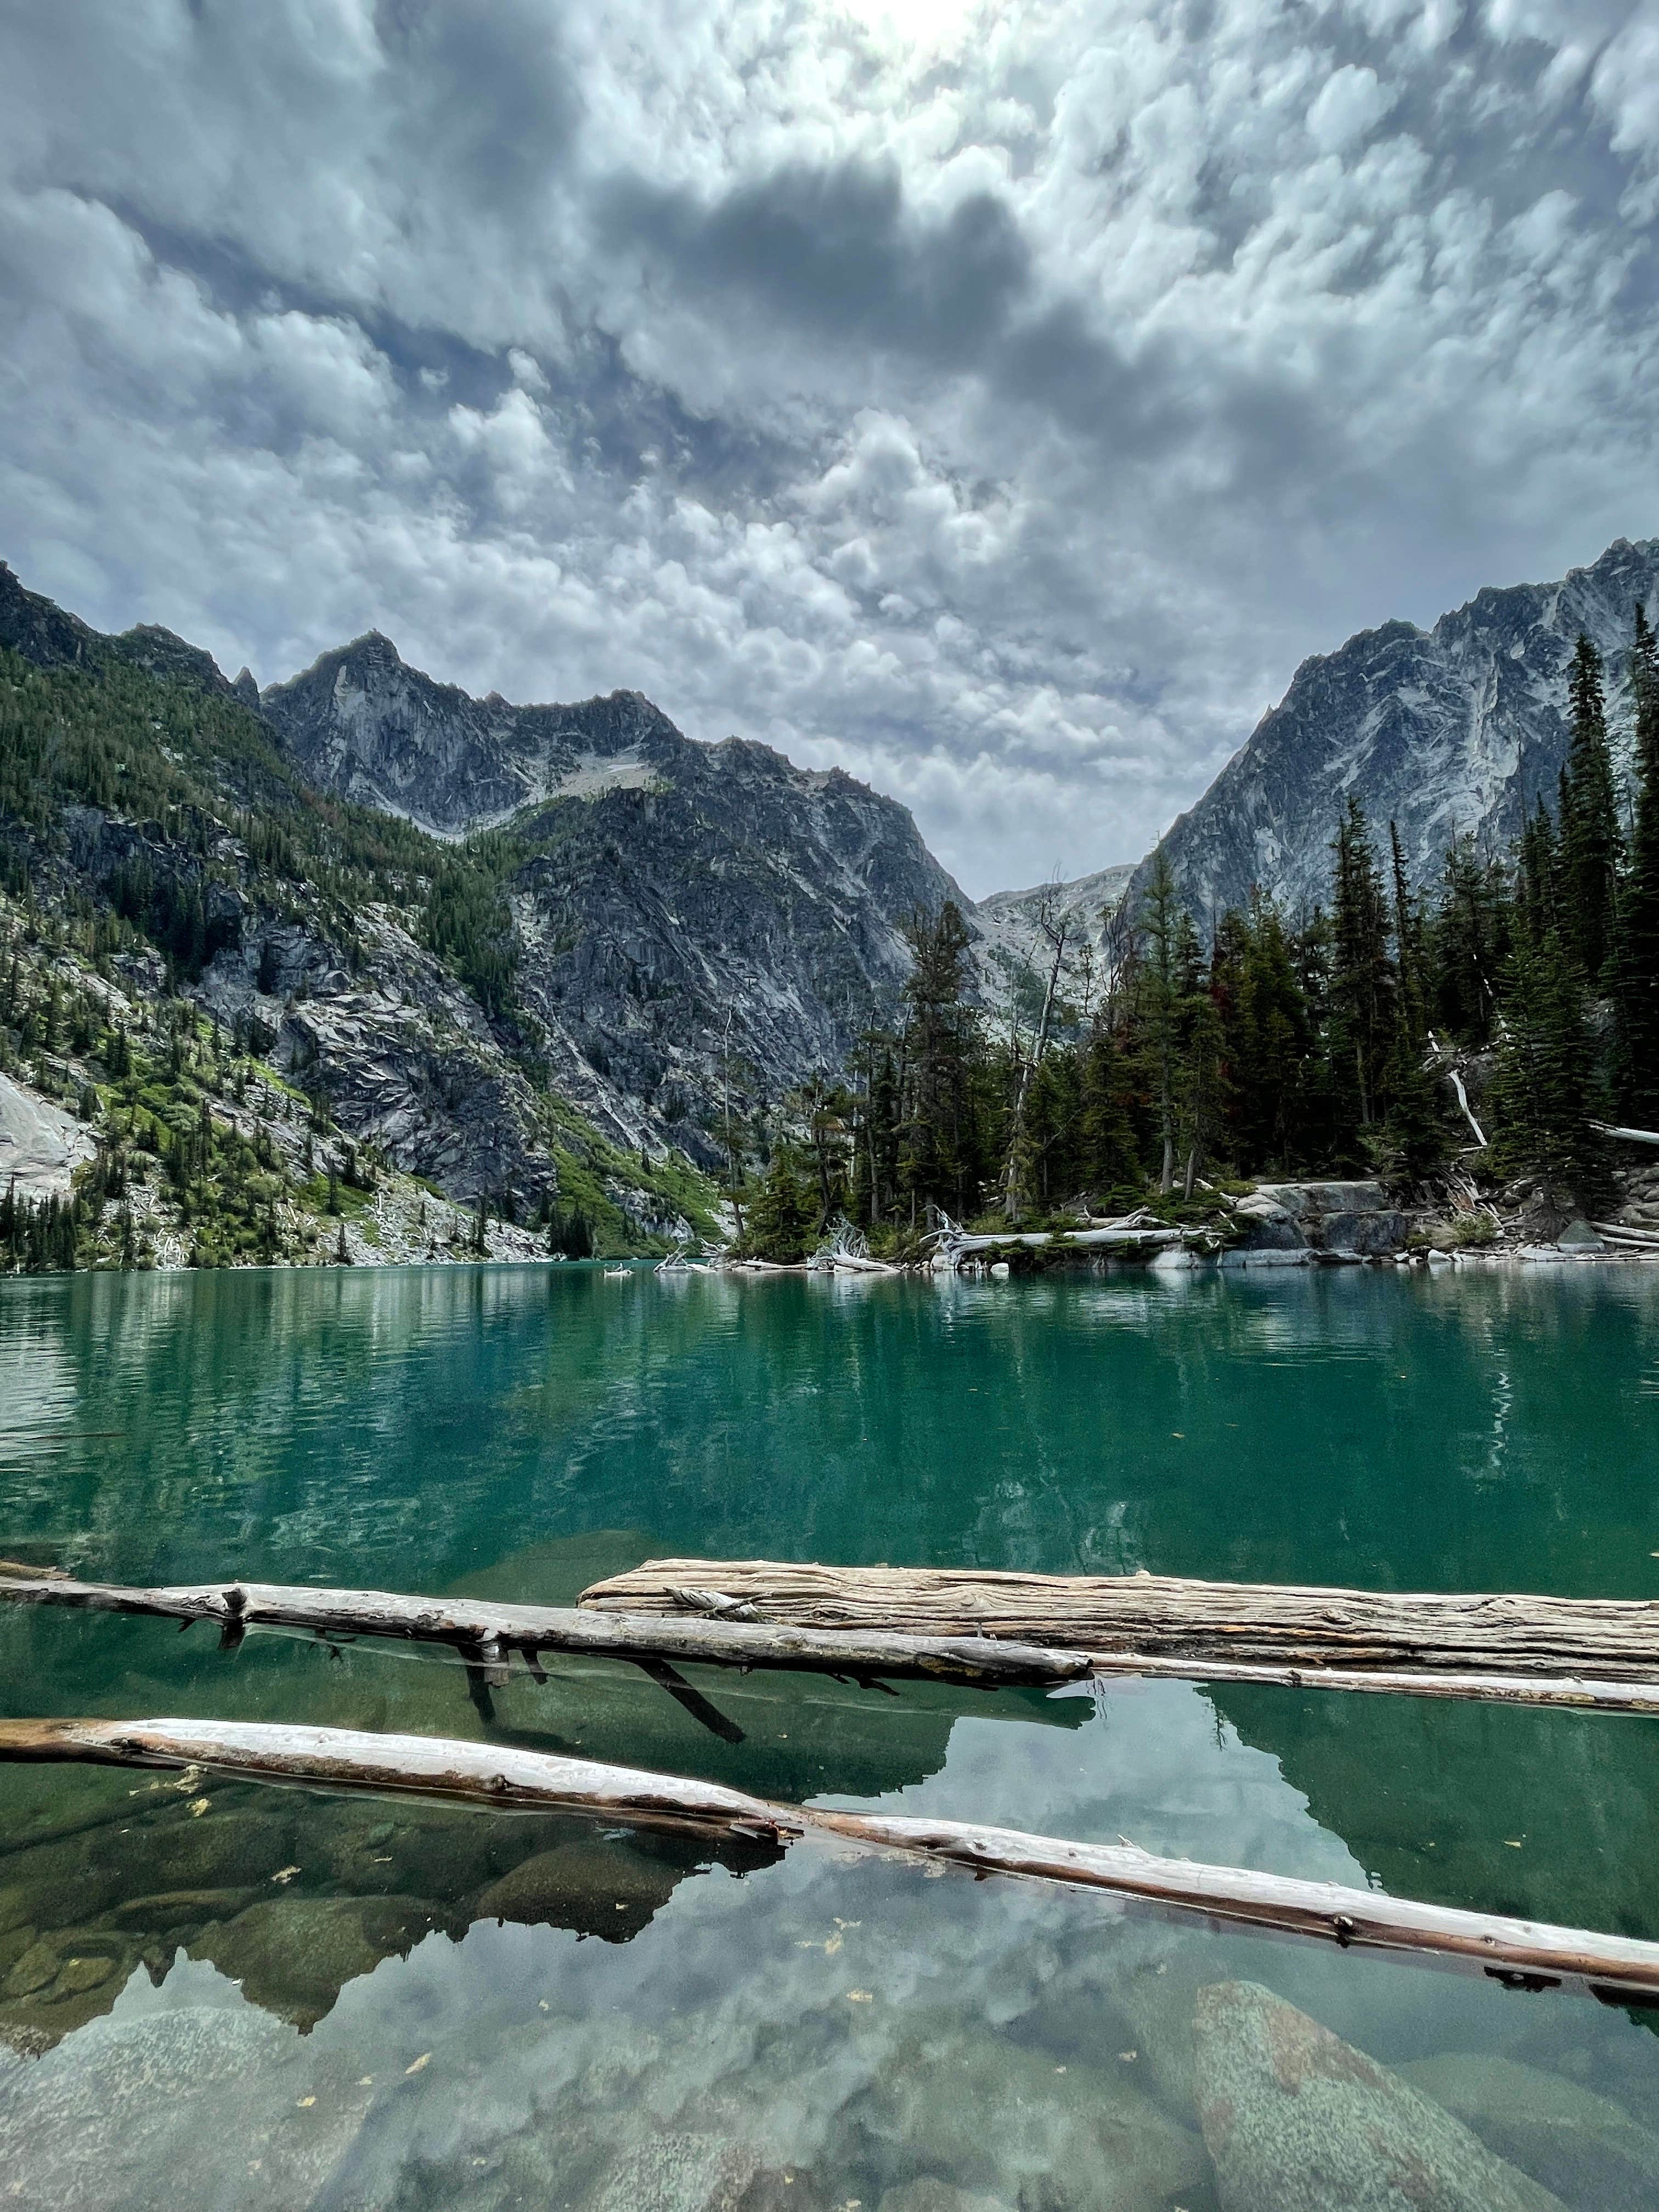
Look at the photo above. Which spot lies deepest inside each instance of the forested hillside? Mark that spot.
(1485, 1029)
(288, 1023)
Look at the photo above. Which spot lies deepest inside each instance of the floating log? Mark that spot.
(430, 1766)
(1530, 1953)
(708, 1628)
(485, 1633)
(1169, 1618)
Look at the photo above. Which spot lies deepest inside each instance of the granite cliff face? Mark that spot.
(142, 796)
(1459, 727)
(362, 723)
(683, 913)
(1013, 949)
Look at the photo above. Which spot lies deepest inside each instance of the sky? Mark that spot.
(998, 401)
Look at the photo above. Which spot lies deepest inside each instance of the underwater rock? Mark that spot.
(671, 2173)
(989, 2114)
(1298, 2121)
(1585, 2147)
(930, 2194)
(195, 2105)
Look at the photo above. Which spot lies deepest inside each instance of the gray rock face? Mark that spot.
(688, 908)
(1459, 727)
(986, 2115)
(1296, 2120)
(1325, 1217)
(362, 723)
(1011, 935)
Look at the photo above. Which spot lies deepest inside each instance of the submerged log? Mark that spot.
(1169, 1618)
(1528, 1953)
(478, 1627)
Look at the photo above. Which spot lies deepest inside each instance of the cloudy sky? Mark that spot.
(997, 400)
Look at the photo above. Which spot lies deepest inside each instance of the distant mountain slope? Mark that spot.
(360, 722)
(1459, 727)
(682, 911)
(1008, 919)
(159, 848)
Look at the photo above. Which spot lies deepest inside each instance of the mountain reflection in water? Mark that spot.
(258, 1997)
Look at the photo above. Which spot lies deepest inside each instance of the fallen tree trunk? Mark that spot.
(1166, 1617)
(1628, 1136)
(1528, 1951)
(486, 1632)
(705, 1627)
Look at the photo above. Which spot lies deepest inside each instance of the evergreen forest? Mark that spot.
(1498, 1026)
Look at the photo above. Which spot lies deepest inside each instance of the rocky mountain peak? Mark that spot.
(1459, 727)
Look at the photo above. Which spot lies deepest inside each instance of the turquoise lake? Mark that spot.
(224, 1994)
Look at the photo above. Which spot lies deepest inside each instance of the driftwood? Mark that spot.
(1166, 1618)
(1527, 1953)
(1628, 1136)
(486, 1633)
(702, 1627)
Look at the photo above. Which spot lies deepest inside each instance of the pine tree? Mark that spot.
(1158, 1004)
(1591, 843)
(1636, 987)
(1541, 1093)
(1364, 987)
(1107, 1158)
(783, 1219)
(939, 1153)
(1467, 941)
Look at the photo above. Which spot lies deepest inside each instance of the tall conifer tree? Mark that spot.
(1591, 843)
(1636, 993)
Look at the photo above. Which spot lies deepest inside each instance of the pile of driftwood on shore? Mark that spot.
(975, 1630)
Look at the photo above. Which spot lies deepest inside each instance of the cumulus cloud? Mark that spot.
(999, 404)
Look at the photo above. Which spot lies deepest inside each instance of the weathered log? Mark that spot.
(430, 1766)
(1532, 1954)
(476, 1628)
(1166, 1617)
(1628, 1136)
(704, 1627)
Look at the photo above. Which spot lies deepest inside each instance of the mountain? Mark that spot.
(529, 954)
(1010, 931)
(1459, 727)
(274, 1008)
(685, 915)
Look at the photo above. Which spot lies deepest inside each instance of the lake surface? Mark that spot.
(264, 1997)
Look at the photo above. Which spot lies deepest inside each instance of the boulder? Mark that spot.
(1300, 1199)
(1579, 1237)
(992, 2116)
(930, 2194)
(671, 2173)
(192, 2106)
(1296, 2120)
(595, 1888)
(1585, 2147)
(1369, 1233)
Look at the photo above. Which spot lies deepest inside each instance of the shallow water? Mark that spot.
(817, 2030)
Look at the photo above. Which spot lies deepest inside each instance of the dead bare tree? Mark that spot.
(1054, 924)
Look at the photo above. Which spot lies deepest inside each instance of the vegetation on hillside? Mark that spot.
(207, 832)
(1272, 1044)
